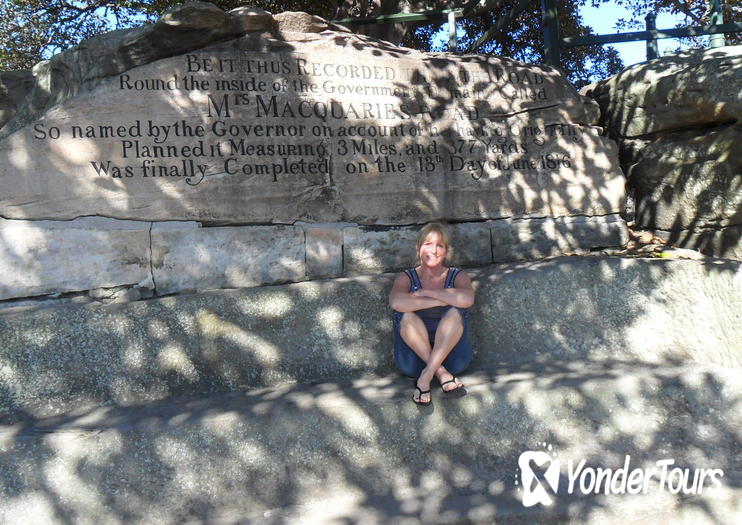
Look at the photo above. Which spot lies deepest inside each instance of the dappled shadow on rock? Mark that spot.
(676, 120)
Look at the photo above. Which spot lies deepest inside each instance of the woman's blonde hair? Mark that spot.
(440, 229)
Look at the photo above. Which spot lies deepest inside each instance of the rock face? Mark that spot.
(278, 126)
(677, 121)
(14, 86)
(94, 258)
(241, 121)
(630, 310)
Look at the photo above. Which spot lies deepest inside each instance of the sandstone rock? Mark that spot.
(14, 88)
(252, 18)
(468, 138)
(54, 257)
(688, 180)
(188, 258)
(299, 124)
(366, 251)
(369, 251)
(676, 120)
(180, 29)
(300, 22)
(692, 89)
(568, 308)
(581, 234)
(324, 249)
(471, 244)
(723, 242)
(523, 239)
(195, 16)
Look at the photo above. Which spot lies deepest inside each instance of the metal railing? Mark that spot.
(553, 43)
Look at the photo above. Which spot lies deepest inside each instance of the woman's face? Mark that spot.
(433, 250)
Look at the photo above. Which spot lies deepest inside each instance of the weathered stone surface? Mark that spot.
(520, 239)
(582, 234)
(14, 88)
(187, 258)
(53, 257)
(368, 251)
(568, 308)
(471, 244)
(361, 452)
(725, 242)
(299, 22)
(252, 18)
(195, 16)
(676, 120)
(524, 239)
(691, 89)
(324, 248)
(260, 130)
(688, 180)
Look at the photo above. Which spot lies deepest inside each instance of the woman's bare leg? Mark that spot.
(415, 334)
(449, 332)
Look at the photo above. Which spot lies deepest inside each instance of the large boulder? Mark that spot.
(288, 140)
(677, 120)
(193, 118)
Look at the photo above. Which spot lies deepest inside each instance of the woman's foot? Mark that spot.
(452, 385)
(449, 382)
(420, 396)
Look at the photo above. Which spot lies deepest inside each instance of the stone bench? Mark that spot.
(568, 308)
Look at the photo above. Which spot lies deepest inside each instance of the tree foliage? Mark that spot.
(523, 40)
(31, 30)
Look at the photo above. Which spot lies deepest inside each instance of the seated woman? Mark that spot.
(431, 336)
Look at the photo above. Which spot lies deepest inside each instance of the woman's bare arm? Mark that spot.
(462, 296)
(401, 300)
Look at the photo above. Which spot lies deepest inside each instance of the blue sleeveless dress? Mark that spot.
(406, 359)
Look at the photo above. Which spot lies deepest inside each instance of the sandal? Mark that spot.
(419, 400)
(459, 387)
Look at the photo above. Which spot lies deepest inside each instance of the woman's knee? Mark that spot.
(453, 315)
(410, 319)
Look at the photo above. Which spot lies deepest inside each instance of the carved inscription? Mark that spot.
(276, 116)
(320, 132)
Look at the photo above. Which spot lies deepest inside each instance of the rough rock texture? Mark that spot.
(52, 257)
(14, 88)
(565, 309)
(299, 22)
(524, 239)
(245, 119)
(677, 121)
(185, 258)
(324, 250)
(192, 118)
(180, 29)
(361, 452)
(253, 18)
(75, 258)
